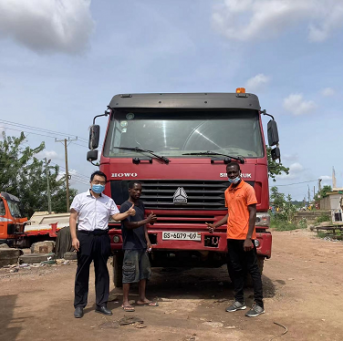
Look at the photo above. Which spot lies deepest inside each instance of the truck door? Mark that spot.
(3, 220)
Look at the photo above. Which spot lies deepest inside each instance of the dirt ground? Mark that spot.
(302, 287)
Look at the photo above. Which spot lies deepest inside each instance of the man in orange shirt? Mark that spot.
(241, 202)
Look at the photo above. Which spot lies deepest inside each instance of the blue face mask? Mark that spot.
(98, 188)
(235, 180)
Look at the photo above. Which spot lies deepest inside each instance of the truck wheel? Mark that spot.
(118, 269)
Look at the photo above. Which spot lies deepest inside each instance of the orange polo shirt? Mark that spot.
(237, 200)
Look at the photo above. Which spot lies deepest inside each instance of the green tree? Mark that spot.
(277, 198)
(323, 192)
(289, 209)
(24, 176)
(275, 168)
(58, 200)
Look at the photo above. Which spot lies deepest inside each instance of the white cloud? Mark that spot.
(49, 154)
(326, 177)
(74, 178)
(257, 83)
(255, 19)
(296, 168)
(47, 25)
(296, 104)
(327, 92)
(295, 171)
(290, 157)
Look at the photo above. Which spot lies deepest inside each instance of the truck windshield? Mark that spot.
(14, 209)
(173, 133)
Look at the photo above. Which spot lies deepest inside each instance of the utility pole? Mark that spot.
(48, 184)
(65, 142)
(309, 194)
(319, 185)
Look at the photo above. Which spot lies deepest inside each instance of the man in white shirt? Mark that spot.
(93, 210)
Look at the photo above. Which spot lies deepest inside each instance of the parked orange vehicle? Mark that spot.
(12, 221)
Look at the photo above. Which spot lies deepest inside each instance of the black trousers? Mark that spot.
(242, 262)
(94, 246)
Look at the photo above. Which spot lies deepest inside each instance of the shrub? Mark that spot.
(323, 217)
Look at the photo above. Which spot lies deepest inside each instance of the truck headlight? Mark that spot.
(116, 239)
(257, 242)
(262, 219)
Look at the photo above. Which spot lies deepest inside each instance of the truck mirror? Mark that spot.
(94, 135)
(92, 155)
(275, 153)
(273, 134)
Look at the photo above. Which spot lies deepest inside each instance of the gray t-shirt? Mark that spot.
(133, 239)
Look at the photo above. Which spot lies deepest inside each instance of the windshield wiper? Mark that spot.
(139, 150)
(241, 160)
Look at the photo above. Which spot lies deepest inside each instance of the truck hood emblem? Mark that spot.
(180, 196)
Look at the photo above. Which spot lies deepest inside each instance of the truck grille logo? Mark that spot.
(124, 175)
(180, 196)
(244, 175)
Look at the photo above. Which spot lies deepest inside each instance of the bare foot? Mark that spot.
(147, 302)
(128, 307)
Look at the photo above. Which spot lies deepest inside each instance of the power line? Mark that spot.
(77, 173)
(30, 132)
(295, 183)
(34, 133)
(18, 125)
(52, 137)
(39, 129)
(79, 145)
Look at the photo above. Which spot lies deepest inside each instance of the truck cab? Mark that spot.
(178, 147)
(12, 221)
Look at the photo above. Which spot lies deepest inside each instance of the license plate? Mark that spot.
(181, 236)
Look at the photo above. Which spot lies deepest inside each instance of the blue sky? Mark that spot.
(62, 61)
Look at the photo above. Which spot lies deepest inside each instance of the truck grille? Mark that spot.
(158, 194)
(201, 195)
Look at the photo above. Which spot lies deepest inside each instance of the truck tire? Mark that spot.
(248, 280)
(118, 269)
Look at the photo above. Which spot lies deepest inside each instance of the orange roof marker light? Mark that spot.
(240, 91)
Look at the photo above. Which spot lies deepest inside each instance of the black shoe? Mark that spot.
(78, 313)
(103, 310)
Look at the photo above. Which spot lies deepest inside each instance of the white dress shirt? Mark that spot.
(93, 213)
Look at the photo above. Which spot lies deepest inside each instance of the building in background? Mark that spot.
(333, 202)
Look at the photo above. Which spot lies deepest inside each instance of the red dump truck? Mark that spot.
(178, 146)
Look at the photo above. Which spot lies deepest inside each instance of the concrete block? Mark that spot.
(43, 247)
(9, 256)
(36, 257)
